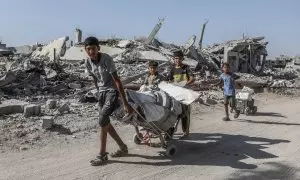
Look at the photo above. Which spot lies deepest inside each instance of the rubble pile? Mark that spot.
(45, 90)
(27, 77)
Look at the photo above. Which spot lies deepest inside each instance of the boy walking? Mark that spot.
(228, 80)
(181, 73)
(102, 68)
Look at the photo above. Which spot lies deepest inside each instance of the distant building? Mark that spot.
(4, 51)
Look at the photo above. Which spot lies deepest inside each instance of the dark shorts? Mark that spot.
(229, 100)
(108, 103)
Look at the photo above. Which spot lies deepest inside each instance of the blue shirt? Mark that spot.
(228, 79)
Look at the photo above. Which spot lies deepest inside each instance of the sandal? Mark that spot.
(237, 113)
(99, 160)
(226, 119)
(184, 136)
(120, 153)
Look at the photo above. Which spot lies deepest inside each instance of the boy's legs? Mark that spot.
(226, 103)
(185, 121)
(107, 104)
(233, 103)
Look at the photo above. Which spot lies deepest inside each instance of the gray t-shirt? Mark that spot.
(102, 71)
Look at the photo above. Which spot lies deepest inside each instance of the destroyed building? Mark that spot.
(4, 51)
(246, 55)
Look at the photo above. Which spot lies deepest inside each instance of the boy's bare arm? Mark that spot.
(192, 80)
(219, 83)
(120, 88)
(95, 82)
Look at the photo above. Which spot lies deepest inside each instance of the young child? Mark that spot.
(228, 80)
(181, 73)
(102, 68)
(153, 78)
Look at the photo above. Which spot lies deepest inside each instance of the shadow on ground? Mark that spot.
(270, 114)
(60, 129)
(272, 170)
(213, 149)
(266, 122)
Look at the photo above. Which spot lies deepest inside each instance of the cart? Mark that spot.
(245, 102)
(157, 115)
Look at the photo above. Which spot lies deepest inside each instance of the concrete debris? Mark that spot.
(12, 107)
(25, 50)
(74, 86)
(42, 74)
(124, 44)
(210, 101)
(8, 78)
(32, 110)
(53, 50)
(4, 51)
(155, 31)
(247, 55)
(64, 108)
(51, 104)
(47, 122)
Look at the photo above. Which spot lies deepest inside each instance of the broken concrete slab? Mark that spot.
(75, 53)
(124, 43)
(112, 51)
(59, 45)
(152, 55)
(47, 122)
(74, 86)
(50, 73)
(32, 110)
(59, 87)
(12, 107)
(23, 50)
(8, 78)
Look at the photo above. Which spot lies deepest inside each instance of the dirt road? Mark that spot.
(264, 146)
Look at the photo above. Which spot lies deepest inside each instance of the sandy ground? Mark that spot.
(264, 146)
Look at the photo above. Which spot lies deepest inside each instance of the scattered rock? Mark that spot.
(211, 101)
(32, 110)
(47, 122)
(51, 104)
(74, 86)
(65, 107)
(23, 148)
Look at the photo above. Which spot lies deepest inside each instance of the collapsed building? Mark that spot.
(49, 64)
(4, 51)
(247, 55)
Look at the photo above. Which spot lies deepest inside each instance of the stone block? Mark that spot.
(47, 122)
(12, 107)
(32, 110)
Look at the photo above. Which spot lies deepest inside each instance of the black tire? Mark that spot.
(247, 111)
(171, 151)
(136, 139)
(254, 110)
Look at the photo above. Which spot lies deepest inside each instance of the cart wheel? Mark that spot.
(247, 111)
(171, 151)
(137, 138)
(254, 110)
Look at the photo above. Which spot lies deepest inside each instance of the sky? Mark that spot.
(30, 21)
